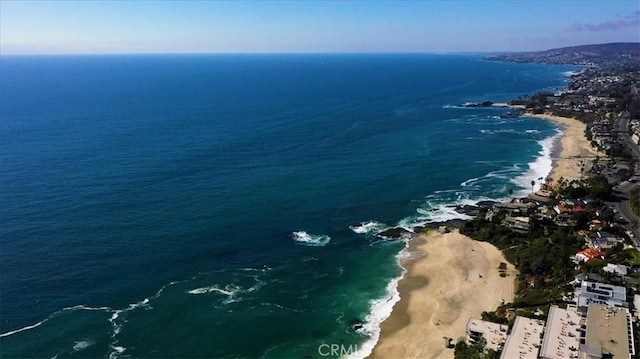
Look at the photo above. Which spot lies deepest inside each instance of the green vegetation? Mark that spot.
(494, 317)
(542, 251)
(543, 262)
(475, 351)
(630, 257)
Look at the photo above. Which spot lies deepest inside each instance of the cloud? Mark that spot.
(632, 20)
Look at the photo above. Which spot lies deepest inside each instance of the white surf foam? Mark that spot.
(369, 227)
(540, 168)
(229, 290)
(116, 351)
(441, 207)
(82, 345)
(307, 239)
(504, 173)
(68, 309)
(28, 327)
(380, 310)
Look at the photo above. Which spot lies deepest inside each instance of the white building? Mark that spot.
(609, 332)
(600, 293)
(561, 334)
(524, 340)
(494, 334)
(617, 269)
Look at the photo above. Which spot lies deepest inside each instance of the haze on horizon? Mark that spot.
(111, 27)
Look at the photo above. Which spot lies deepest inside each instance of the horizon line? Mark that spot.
(261, 53)
(461, 52)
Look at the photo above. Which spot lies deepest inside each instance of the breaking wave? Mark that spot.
(307, 239)
(369, 227)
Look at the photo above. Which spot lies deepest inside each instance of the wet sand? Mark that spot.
(456, 280)
(574, 149)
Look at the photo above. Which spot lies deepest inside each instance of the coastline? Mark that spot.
(438, 297)
(572, 148)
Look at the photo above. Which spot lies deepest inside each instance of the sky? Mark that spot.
(145, 26)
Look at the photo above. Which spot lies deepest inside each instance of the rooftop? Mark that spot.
(608, 328)
(591, 253)
(495, 334)
(595, 292)
(561, 335)
(524, 340)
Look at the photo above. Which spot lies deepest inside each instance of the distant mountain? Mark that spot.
(613, 54)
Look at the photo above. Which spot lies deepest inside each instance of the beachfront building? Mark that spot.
(561, 334)
(524, 340)
(609, 333)
(493, 333)
(600, 293)
(517, 224)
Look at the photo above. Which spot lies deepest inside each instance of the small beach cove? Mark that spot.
(455, 281)
(452, 278)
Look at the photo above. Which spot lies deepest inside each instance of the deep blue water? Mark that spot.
(150, 205)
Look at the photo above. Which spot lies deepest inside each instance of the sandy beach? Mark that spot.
(450, 279)
(438, 297)
(574, 148)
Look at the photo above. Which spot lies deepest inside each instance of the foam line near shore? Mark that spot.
(439, 296)
(400, 336)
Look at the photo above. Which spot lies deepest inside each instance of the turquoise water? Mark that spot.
(212, 206)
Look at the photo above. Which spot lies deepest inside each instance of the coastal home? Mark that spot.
(592, 277)
(517, 224)
(609, 333)
(561, 334)
(597, 224)
(601, 240)
(569, 207)
(508, 208)
(526, 205)
(524, 340)
(542, 195)
(617, 269)
(564, 220)
(494, 334)
(600, 293)
(589, 254)
(606, 242)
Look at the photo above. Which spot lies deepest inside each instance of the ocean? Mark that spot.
(222, 206)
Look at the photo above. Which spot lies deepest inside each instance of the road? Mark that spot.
(622, 127)
(625, 188)
(624, 209)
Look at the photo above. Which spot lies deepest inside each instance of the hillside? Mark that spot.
(613, 54)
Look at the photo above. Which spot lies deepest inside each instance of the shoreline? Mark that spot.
(432, 304)
(437, 298)
(570, 150)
